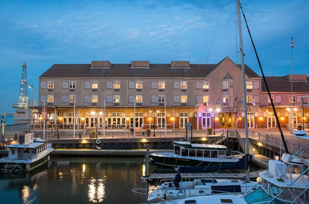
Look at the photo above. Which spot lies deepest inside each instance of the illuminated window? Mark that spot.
(225, 84)
(116, 84)
(205, 84)
(161, 98)
(272, 97)
(205, 99)
(249, 99)
(72, 84)
(161, 84)
(50, 98)
(183, 85)
(225, 99)
(183, 99)
(139, 85)
(72, 98)
(94, 84)
(50, 84)
(94, 98)
(292, 99)
(116, 98)
(139, 99)
(249, 85)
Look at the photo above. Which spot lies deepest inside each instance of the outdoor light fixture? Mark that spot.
(92, 113)
(295, 109)
(260, 144)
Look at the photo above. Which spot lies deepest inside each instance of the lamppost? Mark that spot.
(31, 87)
(154, 127)
(215, 110)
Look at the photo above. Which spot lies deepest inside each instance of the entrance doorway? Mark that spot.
(271, 121)
(227, 120)
(250, 120)
(139, 120)
(183, 120)
(206, 120)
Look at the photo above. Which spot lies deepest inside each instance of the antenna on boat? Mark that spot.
(264, 79)
(244, 89)
(291, 97)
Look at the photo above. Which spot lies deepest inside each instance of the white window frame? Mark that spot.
(73, 83)
(248, 98)
(183, 85)
(139, 97)
(72, 98)
(50, 98)
(249, 85)
(205, 97)
(50, 83)
(206, 85)
(293, 97)
(273, 97)
(115, 97)
(116, 84)
(94, 83)
(161, 98)
(94, 99)
(183, 97)
(160, 83)
(139, 85)
(225, 84)
(225, 97)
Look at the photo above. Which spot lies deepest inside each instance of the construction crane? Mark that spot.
(23, 92)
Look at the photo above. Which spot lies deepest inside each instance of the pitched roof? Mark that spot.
(124, 70)
(281, 84)
(227, 76)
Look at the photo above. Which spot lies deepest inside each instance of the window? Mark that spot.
(292, 99)
(225, 99)
(50, 85)
(231, 84)
(183, 85)
(183, 99)
(205, 99)
(139, 99)
(94, 98)
(225, 84)
(72, 84)
(249, 99)
(72, 98)
(249, 85)
(116, 98)
(161, 84)
(272, 97)
(205, 84)
(94, 84)
(116, 84)
(161, 98)
(50, 98)
(139, 85)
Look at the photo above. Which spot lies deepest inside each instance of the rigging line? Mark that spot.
(236, 35)
(213, 28)
(264, 79)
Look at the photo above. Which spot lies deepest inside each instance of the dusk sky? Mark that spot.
(43, 33)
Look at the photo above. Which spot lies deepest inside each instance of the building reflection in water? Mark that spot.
(96, 190)
(25, 193)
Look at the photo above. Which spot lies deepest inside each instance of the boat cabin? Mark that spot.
(186, 149)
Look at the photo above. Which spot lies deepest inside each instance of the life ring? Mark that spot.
(98, 141)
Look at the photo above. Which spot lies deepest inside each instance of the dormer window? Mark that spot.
(139, 85)
(183, 85)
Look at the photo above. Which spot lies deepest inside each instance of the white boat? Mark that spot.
(26, 155)
(198, 187)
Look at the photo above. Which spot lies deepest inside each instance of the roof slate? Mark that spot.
(281, 84)
(124, 70)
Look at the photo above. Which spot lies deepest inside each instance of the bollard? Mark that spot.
(144, 186)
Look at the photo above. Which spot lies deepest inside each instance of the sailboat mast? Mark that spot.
(244, 87)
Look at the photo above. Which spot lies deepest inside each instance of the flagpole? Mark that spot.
(291, 102)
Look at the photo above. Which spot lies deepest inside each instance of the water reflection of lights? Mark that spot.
(25, 193)
(96, 190)
(84, 168)
(60, 175)
(143, 170)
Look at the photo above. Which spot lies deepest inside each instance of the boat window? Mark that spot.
(184, 152)
(206, 153)
(190, 201)
(260, 196)
(177, 150)
(199, 153)
(26, 150)
(222, 152)
(192, 153)
(214, 154)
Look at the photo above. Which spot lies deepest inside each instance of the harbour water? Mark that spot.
(75, 180)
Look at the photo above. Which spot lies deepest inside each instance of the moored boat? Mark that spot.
(26, 155)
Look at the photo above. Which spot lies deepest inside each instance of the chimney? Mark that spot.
(100, 64)
(297, 77)
(139, 64)
(180, 64)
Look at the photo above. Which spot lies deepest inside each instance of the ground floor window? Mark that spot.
(227, 120)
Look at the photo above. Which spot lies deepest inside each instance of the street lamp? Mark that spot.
(215, 110)
(31, 87)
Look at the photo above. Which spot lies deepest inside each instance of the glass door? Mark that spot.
(161, 120)
(250, 121)
(272, 122)
(206, 120)
(183, 120)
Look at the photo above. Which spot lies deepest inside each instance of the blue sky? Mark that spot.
(44, 33)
